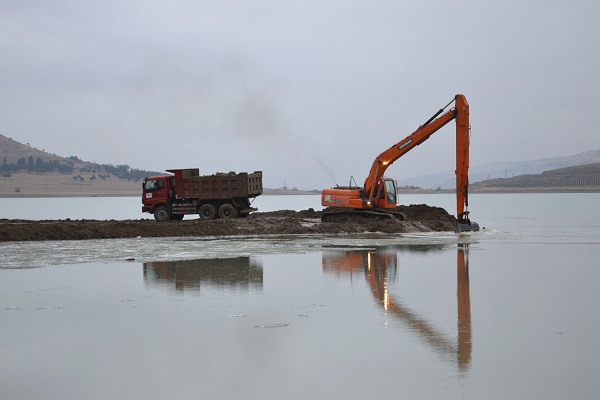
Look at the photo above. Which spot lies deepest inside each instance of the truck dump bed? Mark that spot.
(189, 184)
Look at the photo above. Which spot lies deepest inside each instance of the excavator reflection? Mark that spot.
(239, 274)
(380, 266)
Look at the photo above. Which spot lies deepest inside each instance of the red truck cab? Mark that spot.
(158, 191)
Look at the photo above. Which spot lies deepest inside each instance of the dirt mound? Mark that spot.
(421, 218)
(423, 212)
(436, 218)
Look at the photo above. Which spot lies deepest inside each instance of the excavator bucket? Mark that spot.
(466, 226)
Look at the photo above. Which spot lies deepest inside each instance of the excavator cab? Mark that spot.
(388, 194)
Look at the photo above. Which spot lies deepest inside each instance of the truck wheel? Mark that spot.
(227, 211)
(207, 211)
(162, 213)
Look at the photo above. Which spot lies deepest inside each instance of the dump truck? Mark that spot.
(185, 191)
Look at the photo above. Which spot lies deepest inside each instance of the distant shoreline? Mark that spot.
(33, 185)
(30, 184)
(490, 190)
(267, 192)
(275, 192)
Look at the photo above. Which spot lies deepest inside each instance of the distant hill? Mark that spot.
(17, 157)
(11, 151)
(446, 179)
(576, 178)
(28, 171)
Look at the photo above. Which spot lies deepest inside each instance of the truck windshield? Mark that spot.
(152, 185)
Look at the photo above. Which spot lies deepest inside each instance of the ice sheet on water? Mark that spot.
(42, 254)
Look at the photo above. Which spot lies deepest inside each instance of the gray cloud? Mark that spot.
(309, 92)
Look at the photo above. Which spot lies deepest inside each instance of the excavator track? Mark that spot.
(343, 215)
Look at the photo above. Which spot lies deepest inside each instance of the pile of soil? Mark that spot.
(421, 218)
(436, 218)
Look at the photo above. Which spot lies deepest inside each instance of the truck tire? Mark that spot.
(227, 211)
(162, 213)
(207, 211)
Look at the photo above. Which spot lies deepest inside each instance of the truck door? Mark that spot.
(155, 191)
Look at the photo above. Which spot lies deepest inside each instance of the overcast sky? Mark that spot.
(309, 92)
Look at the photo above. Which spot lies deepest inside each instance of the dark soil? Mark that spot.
(421, 218)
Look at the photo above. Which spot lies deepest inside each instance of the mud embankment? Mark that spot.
(421, 218)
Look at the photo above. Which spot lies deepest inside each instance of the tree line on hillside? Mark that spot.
(38, 165)
(126, 172)
(32, 165)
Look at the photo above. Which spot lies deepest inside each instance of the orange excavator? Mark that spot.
(376, 200)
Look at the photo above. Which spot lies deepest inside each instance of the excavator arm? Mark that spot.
(460, 112)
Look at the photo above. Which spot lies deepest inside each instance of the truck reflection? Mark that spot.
(380, 266)
(238, 274)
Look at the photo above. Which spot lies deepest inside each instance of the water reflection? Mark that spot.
(240, 274)
(380, 266)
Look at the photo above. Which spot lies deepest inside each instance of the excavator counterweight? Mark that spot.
(378, 196)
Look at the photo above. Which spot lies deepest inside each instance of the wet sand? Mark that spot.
(421, 218)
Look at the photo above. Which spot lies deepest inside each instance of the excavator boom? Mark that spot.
(424, 132)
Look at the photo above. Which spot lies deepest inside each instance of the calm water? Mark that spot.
(509, 312)
(120, 208)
